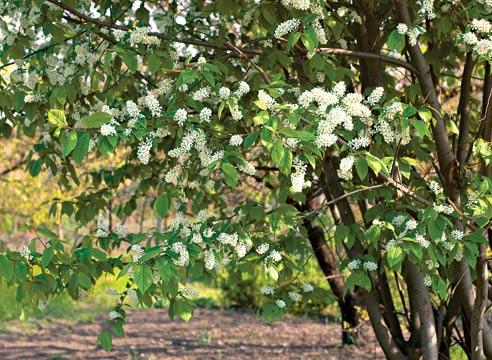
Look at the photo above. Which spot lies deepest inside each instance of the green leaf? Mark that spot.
(300, 135)
(154, 63)
(293, 39)
(285, 165)
(143, 276)
(396, 41)
(422, 128)
(183, 309)
(96, 120)
(163, 268)
(57, 118)
(129, 58)
(357, 279)
(84, 280)
(309, 39)
(69, 141)
(361, 167)
(277, 152)
(230, 174)
(48, 255)
(82, 147)
(105, 339)
(374, 163)
(6, 268)
(425, 114)
(161, 205)
(394, 256)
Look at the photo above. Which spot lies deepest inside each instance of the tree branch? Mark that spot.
(464, 110)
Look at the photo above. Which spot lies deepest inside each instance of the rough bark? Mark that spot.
(328, 265)
(464, 110)
(478, 313)
(333, 189)
(421, 305)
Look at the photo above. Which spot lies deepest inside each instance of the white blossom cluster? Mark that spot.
(479, 37)
(337, 110)
(102, 225)
(25, 253)
(297, 177)
(286, 28)
(297, 4)
(357, 264)
(346, 164)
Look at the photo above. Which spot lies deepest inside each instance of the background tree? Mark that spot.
(245, 120)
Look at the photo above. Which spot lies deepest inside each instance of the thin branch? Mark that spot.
(367, 55)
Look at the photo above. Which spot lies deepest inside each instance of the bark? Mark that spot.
(464, 110)
(328, 265)
(421, 305)
(478, 313)
(388, 340)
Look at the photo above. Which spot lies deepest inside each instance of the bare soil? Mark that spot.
(210, 334)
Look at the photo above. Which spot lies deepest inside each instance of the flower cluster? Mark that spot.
(286, 28)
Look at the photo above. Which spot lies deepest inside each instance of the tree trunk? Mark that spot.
(328, 265)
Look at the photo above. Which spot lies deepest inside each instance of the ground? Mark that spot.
(210, 334)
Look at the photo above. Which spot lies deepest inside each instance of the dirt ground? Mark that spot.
(210, 334)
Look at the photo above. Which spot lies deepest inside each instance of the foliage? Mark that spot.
(237, 117)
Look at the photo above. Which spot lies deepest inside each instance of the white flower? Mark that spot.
(107, 130)
(280, 303)
(297, 177)
(143, 151)
(263, 248)
(201, 60)
(137, 252)
(458, 234)
(25, 253)
(180, 116)
(139, 36)
(224, 93)
(114, 315)
(470, 38)
(201, 94)
(297, 4)
(354, 264)
(307, 287)
(236, 140)
(132, 110)
(248, 168)
(402, 28)
(481, 26)
(265, 99)
(209, 259)
(427, 280)
(370, 266)
(346, 164)
(267, 290)
(295, 296)
(243, 89)
(121, 230)
(182, 251)
(286, 27)
(205, 115)
(189, 292)
(422, 241)
(375, 96)
(275, 256)
(411, 224)
(153, 105)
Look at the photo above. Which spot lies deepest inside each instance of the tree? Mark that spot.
(246, 120)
